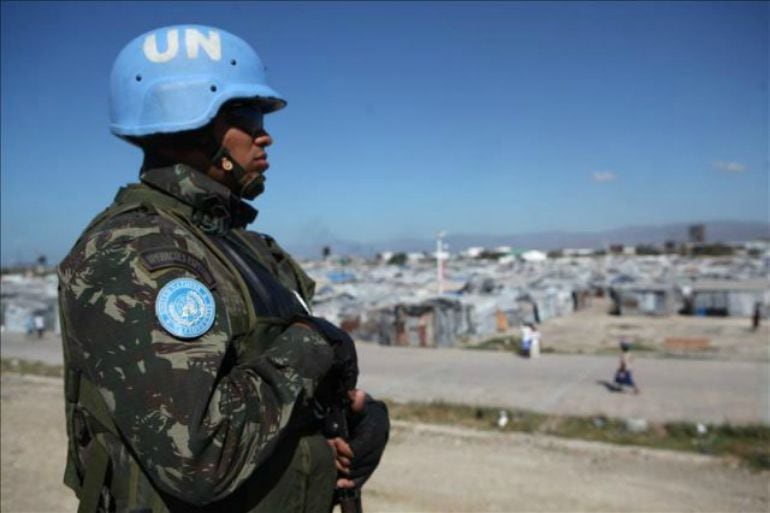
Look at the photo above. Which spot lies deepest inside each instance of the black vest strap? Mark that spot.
(269, 296)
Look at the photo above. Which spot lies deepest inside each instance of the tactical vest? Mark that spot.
(97, 453)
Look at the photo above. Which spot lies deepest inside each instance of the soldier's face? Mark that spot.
(246, 140)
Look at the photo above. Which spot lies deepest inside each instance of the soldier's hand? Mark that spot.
(357, 400)
(357, 404)
(343, 454)
(369, 427)
(344, 482)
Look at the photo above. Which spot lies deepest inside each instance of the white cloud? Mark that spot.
(730, 167)
(604, 176)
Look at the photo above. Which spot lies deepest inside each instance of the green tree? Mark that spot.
(398, 259)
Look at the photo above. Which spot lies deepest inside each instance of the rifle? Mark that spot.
(336, 425)
(332, 400)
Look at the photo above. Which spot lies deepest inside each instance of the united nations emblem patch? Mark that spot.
(185, 308)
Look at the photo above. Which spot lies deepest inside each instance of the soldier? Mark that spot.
(196, 377)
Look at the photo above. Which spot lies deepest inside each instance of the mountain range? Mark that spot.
(715, 231)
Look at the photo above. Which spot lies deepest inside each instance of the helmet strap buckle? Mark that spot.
(249, 186)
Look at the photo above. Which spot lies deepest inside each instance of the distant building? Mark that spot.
(759, 247)
(697, 233)
(577, 252)
(415, 257)
(473, 252)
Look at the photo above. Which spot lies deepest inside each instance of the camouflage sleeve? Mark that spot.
(199, 419)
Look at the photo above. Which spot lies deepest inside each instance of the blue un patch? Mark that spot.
(185, 308)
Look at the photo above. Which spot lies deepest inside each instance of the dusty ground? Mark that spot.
(33, 446)
(431, 468)
(592, 329)
(426, 468)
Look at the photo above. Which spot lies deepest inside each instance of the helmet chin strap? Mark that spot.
(249, 186)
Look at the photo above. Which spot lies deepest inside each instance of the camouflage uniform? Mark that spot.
(221, 422)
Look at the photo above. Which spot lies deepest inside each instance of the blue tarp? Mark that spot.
(341, 277)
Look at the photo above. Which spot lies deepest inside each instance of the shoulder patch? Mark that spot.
(154, 259)
(185, 308)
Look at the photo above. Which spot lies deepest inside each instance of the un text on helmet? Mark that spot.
(193, 40)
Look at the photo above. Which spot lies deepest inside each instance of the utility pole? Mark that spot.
(440, 261)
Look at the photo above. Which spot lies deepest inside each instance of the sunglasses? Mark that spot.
(248, 118)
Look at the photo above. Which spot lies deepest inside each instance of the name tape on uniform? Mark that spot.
(161, 258)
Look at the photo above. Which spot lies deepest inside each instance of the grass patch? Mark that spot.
(18, 366)
(750, 444)
(643, 347)
(463, 415)
(636, 347)
(500, 343)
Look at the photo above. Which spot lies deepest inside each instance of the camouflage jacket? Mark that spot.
(197, 415)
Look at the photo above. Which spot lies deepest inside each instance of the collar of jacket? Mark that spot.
(215, 208)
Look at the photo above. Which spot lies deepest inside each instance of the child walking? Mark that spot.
(623, 376)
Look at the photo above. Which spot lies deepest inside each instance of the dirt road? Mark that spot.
(426, 468)
(698, 390)
(672, 389)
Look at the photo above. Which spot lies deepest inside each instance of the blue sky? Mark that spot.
(408, 118)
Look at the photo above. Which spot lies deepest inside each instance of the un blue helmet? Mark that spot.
(176, 78)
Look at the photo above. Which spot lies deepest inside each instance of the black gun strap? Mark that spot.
(269, 296)
(349, 500)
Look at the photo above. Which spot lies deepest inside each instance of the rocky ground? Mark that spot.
(426, 468)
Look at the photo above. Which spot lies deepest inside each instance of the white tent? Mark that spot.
(534, 255)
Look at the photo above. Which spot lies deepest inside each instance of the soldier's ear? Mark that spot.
(209, 138)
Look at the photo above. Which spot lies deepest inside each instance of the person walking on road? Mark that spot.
(534, 346)
(39, 322)
(526, 339)
(756, 316)
(624, 376)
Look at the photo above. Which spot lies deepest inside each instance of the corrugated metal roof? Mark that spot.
(728, 285)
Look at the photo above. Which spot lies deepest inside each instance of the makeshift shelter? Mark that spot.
(534, 255)
(24, 297)
(644, 299)
(726, 298)
(434, 322)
